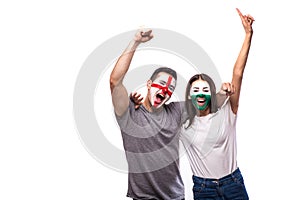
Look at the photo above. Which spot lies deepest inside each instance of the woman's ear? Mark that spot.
(189, 97)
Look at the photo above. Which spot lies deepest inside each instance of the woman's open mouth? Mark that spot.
(201, 101)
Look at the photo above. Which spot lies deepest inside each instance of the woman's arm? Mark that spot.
(241, 61)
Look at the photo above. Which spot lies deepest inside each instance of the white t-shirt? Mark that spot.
(210, 143)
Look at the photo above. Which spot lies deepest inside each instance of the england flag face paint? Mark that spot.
(200, 94)
(162, 89)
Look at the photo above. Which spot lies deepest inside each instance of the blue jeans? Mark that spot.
(230, 187)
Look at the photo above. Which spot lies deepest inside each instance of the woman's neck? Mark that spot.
(202, 113)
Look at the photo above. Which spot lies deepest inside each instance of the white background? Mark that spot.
(44, 44)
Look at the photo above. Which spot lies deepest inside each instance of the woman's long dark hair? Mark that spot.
(191, 111)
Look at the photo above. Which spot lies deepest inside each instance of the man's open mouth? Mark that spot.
(160, 97)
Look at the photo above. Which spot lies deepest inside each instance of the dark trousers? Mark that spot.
(230, 187)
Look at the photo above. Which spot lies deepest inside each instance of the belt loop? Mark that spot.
(232, 176)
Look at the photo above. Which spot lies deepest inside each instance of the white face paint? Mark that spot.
(200, 87)
(161, 89)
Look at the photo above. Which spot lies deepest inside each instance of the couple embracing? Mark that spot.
(205, 123)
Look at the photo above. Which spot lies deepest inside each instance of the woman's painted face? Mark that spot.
(162, 89)
(200, 94)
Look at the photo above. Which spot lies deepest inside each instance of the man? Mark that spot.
(151, 133)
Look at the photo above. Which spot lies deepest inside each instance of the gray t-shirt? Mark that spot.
(151, 142)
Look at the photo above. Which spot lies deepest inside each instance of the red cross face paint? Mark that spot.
(162, 89)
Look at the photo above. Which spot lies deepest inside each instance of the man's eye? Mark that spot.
(171, 88)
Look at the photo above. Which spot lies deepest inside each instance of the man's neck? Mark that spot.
(150, 108)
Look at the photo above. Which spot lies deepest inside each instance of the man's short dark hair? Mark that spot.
(163, 69)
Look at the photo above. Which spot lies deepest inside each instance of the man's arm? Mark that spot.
(118, 91)
(226, 90)
(241, 61)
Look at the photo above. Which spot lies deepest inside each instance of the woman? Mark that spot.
(209, 134)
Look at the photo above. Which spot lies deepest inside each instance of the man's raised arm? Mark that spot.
(118, 91)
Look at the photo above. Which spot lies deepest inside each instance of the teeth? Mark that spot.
(160, 95)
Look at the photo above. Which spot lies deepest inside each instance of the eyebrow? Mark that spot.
(198, 87)
(164, 82)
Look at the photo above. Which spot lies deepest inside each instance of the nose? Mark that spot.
(201, 95)
(165, 90)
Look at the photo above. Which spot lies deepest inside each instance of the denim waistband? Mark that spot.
(221, 181)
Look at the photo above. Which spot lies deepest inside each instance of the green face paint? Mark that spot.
(207, 98)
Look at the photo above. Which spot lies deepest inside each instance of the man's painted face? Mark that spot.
(200, 94)
(162, 89)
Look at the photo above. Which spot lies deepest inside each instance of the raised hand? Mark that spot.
(247, 21)
(143, 35)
